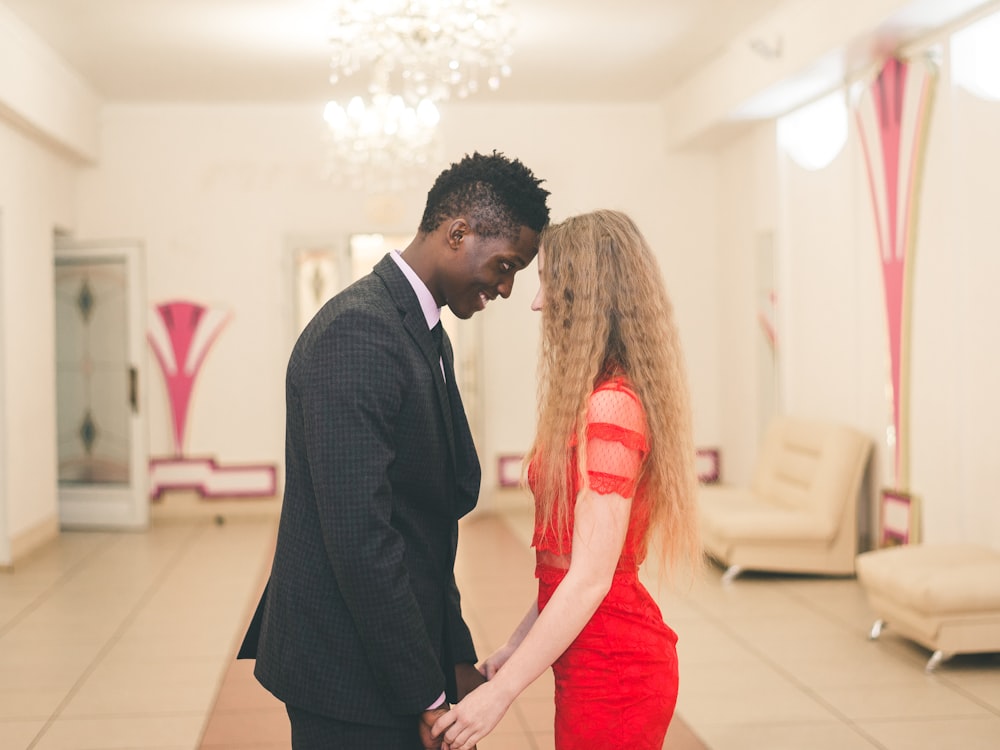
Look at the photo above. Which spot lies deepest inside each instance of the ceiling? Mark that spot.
(277, 50)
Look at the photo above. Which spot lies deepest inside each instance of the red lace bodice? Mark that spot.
(617, 444)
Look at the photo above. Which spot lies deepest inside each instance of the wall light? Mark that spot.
(813, 135)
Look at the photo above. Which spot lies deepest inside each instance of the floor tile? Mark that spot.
(122, 733)
(915, 701)
(867, 667)
(982, 733)
(779, 705)
(142, 697)
(536, 714)
(125, 641)
(34, 704)
(19, 734)
(247, 728)
(787, 736)
(981, 683)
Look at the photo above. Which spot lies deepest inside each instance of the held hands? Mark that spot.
(467, 679)
(472, 719)
(465, 676)
(428, 740)
(491, 665)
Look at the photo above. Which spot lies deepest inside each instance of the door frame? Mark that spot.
(111, 506)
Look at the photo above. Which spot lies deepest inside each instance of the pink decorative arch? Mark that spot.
(893, 115)
(181, 334)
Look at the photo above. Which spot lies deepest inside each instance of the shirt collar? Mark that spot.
(432, 313)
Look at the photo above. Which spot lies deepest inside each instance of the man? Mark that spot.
(360, 628)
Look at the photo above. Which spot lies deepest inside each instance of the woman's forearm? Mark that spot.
(554, 629)
(495, 661)
(598, 536)
(525, 625)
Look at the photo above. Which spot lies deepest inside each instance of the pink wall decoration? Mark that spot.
(181, 334)
(893, 114)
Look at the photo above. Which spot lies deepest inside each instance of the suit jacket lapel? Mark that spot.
(416, 325)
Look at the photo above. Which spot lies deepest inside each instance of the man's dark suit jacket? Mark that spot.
(361, 620)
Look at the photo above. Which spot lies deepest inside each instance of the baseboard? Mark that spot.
(187, 504)
(23, 544)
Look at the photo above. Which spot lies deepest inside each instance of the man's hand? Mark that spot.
(491, 665)
(467, 679)
(427, 719)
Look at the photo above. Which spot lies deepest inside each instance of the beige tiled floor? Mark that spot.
(119, 640)
(122, 641)
(494, 569)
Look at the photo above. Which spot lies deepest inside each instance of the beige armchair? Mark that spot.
(800, 512)
(946, 597)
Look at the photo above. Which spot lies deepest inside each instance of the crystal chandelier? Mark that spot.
(425, 48)
(418, 52)
(383, 144)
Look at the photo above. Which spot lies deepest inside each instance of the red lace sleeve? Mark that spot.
(616, 439)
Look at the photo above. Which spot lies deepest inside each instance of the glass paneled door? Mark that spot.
(100, 342)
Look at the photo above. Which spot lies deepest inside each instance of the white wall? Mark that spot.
(746, 216)
(48, 123)
(217, 194)
(834, 350)
(41, 93)
(36, 195)
(955, 402)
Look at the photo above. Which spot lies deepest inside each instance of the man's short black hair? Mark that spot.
(498, 194)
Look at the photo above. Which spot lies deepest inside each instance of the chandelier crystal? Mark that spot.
(417, 53)
(382, 144)
(427, 49)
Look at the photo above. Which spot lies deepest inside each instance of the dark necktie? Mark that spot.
(437, 333)
(467, 466)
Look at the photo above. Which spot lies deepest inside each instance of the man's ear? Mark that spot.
(456, 232)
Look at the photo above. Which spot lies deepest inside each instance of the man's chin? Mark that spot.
(462, 313)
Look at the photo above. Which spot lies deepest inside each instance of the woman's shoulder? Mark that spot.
(614, 400)
(616, 383)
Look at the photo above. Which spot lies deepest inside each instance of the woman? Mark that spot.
(612, 469)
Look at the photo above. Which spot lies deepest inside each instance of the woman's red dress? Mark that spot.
(616, 685)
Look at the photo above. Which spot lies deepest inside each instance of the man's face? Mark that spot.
(483, 269)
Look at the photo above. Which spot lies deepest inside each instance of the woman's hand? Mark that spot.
(492, 663)
(472, 719)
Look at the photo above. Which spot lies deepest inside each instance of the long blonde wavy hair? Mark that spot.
(606, 309)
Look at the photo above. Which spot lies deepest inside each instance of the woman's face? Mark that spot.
(539, 302)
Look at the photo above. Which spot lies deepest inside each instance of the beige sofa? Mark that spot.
(799, 513)
(946, 597)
